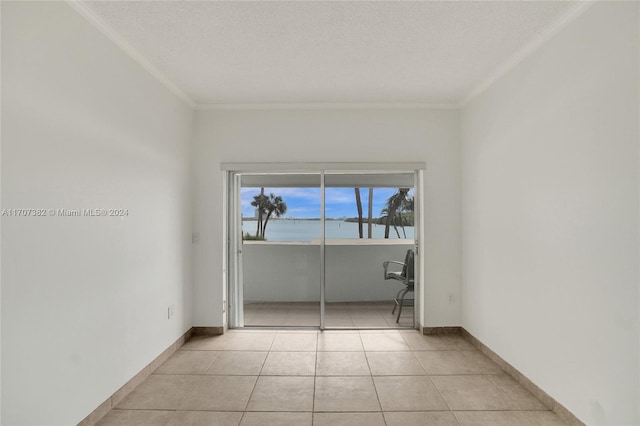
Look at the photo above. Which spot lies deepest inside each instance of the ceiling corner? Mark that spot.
(86, 12)
(528, 49)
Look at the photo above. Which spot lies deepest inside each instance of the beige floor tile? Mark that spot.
(378, 307)
(377, 342)
(508, 418)
(543, 418)
(431, 418)
(408, 393)
(220, 393)
(348, 419)
(302, 321)
(291, 342)
(370, 322)
(340, 342)
(265, 321)
(368, 313)
(517, 395)
(247, 341)
(309, 312)
(457, 343)
(205, 418)
(363, 314)
(282, 393)
(348, 377)
(290, 364)
(481, 363)
(406, 320)
(136, 418)
(188, 362)
(276, 419)
(357, 310)
(419, 342)
(342, 364)
(394, 364)
(490, 418)
(311, 306)
(471, 393)
(206, 343)
(336, 313)
(456, 362)
(238, 363)
(338, 322)
(160, 392)
(369, 306)
(337, 305)
(339, 394)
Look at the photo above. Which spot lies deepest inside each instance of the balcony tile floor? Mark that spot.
(348, 314)
(298, 378)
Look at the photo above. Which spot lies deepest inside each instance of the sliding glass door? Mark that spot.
(308, 249)
(281, 236)
(369, 221)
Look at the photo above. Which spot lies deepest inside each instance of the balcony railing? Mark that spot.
(290, 271)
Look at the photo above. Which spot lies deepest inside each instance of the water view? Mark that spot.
(309, 229)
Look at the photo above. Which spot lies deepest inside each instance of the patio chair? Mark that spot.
(403, 272)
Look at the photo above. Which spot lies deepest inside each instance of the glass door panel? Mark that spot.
(369, 221)
(281, 246)
(308, 249)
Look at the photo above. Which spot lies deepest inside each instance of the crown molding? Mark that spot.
(528, 49)
(86, 12)
(325, 105)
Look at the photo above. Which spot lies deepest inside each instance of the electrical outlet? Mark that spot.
(195, 238)
(170, 311)
(452, 298)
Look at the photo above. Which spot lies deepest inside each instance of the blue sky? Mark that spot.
(305, 202)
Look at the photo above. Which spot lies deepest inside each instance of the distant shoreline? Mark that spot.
(343, 219)
(408, 221)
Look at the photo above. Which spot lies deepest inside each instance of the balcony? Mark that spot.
(282, 283)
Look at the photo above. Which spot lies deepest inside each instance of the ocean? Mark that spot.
(307, 230)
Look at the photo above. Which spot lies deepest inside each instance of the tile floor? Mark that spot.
(298, 378)
(351, 314)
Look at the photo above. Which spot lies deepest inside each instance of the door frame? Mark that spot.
(232, 223)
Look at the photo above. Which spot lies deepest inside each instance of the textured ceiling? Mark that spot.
(328, 52)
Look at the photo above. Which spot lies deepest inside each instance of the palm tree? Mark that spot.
(387, 213)
(275, 205)
(370, 215)
(260, 203)
(397, 204)
(359, 207)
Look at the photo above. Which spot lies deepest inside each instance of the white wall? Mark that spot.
(290, 272)
(84, 300)
(550, 216)
(331, 135)
(1, 205)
